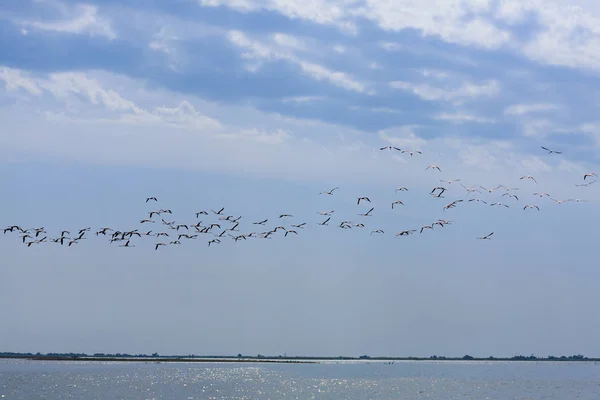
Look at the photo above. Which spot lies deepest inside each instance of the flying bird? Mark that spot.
(470, 189)
(486, 236)
(397, 202)
(362, 198)
(441, 189)
(433, 167)
(510, 195)
(528, 177)
(551, 151)
(390, 148)
(151, 198)
(492, 189)
(426, 227)
(367, 214)
(330, 192)
(478, 200)
(559, 201)
(585, 184)
(451, 205)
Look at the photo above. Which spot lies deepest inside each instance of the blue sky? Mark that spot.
(257, 106)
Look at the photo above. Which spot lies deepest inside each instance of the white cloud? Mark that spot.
(166, 42)
(570, 33)
(569, 166)
(13, 80)
(73, 87)
(339, 49)
(66, 83)
(538, 127)
(459, 118)
(186, 114)
(159, 45)
(289, 41)
(456, 94)
(432, 73)
(161, 40)
(302, 99)
(332, 12)
(341, 79)
(535, 164)
(255, 49)
(386, 110)
(391, 46)
(117, 115)
(81, 19)
(454, 22)
(566, 32)
(277, 137)
(592, 129)
(493, 157)
(242, 5)
(261, 52)
(477, 156)
(403, 137)
(522, 109)
(511, 11)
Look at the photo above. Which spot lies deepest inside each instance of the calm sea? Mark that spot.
(33, 380)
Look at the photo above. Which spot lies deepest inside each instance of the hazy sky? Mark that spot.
(259, 105)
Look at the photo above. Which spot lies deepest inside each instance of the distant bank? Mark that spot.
(155, 358)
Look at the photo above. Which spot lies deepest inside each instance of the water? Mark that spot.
(31, 380)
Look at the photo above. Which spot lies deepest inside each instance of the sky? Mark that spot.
(258, 106)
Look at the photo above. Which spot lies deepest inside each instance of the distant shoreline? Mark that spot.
(284, 360)
(159, 359)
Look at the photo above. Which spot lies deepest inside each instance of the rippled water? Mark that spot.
(30, 380)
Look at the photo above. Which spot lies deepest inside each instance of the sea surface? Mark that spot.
(32, 380)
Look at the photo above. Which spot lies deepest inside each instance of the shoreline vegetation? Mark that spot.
(156, 358)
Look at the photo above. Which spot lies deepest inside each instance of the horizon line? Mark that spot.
(239, 356)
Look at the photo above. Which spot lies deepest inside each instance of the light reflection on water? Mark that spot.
(31, 380)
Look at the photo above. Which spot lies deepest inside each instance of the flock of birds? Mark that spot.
(222, 225)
